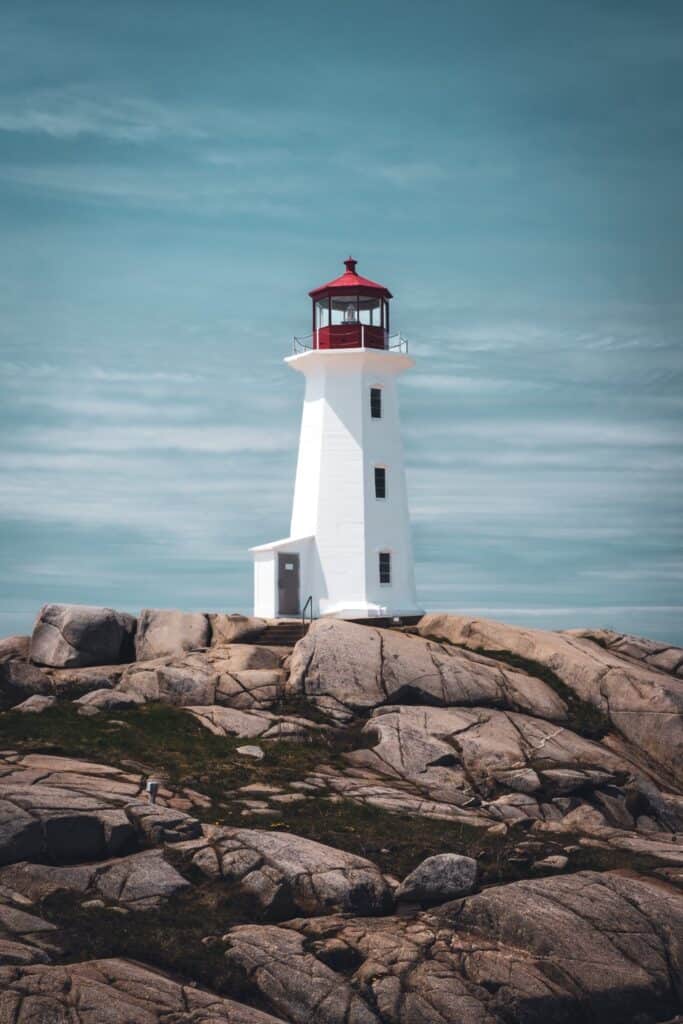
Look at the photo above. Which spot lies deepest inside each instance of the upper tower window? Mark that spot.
(376, 403)
(385, 567)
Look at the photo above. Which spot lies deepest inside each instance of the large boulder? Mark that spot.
(161, 633)
(643, 704)
(72, 635)
(437, 879)
(345, 668)
(286, 874)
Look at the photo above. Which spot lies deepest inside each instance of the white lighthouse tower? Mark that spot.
(349, 553)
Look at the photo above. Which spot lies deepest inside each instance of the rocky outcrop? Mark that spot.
(60, 810)
(643, 704)
(652, 653)
(345, 669)
(162, 633)
(115, 991)
(285, 874)
(577, 948)
(72, 635)
(471, 757)
(240, 676)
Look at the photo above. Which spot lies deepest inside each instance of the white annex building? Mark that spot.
(349, 553)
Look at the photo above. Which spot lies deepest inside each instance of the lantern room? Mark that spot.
(350, 312)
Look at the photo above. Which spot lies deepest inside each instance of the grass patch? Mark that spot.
(169, 741)
(168, 938)
(165, 740)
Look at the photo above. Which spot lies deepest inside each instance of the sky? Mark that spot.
(175, 177)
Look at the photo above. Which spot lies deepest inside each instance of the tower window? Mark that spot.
(380, 482)
(385, 567)
(376, 403)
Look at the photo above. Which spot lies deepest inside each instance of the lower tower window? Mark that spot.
(385, 567)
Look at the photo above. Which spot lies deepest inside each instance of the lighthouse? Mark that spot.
(349, 552)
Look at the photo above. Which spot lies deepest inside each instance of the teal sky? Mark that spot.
(174, 177)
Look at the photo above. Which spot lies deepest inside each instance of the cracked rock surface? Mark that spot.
(344, 668)
(585, 947)
(644, 704)
(115, 992)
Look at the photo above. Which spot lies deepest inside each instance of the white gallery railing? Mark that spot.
(309, 342)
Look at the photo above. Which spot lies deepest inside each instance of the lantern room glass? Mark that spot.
(322, 313)
(370, 310)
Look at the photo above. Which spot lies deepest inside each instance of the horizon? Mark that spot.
(173, 186)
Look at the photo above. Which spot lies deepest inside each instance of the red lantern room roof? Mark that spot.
(350, 283)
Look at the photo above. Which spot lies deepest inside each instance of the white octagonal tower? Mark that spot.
(349, 553)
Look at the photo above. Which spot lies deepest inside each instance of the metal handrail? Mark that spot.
(309, 602)
(306, 343)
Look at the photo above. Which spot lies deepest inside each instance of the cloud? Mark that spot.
(160, 437)
(69, 112)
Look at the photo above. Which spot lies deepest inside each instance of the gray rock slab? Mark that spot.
(437, 879)
(77, 635)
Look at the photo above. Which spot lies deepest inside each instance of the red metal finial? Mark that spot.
(350, 265)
